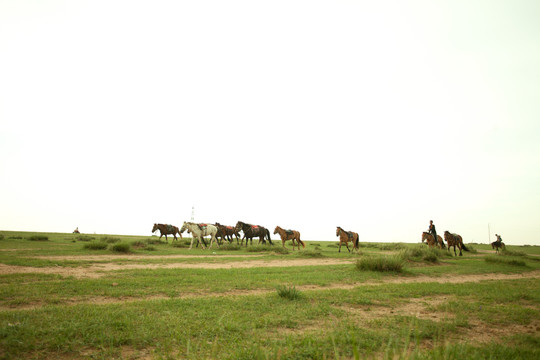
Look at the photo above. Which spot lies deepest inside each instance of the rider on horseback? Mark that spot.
(432, 230)
(499, 240)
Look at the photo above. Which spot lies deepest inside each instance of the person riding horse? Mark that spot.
(432, 230)
(499, 239)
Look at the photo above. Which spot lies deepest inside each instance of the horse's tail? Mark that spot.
(357, 241)
(268, 234)
(463, 246)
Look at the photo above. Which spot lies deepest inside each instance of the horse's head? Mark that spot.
(238, 226)
(154, 228)
(424, 236)
(276, 229)
(337, 231)
(183, 228)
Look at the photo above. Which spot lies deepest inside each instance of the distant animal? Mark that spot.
(498, 245)
(166, 229)
(76, 231)
(251, 231)
(429, 240)
(345, 237)
(226, 232)
(198, 231)
(455, 240)
(289, 235)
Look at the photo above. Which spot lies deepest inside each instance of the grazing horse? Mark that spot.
(498, 245)
(429, 240)
(226, 232)
(199, 231)
(251, 231)
(165, 229)
(455, 240)
(289, 235)
(345, 237)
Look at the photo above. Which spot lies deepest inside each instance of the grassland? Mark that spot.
(61, 298)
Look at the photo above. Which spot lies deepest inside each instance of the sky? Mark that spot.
(375, 116)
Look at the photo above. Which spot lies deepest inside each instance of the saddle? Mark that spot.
(254, 227)
(350, 234)
(202, 226)
(170, 228)
(289, 232)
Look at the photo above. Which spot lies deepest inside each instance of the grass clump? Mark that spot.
(38, 238)
(288, 292)
(230, 247)
(110, 240)
(261, 248)
(507, 252)
(315, 253)
(85, 238)
(500, 260)
(121, 247)
(95, 245)
(381, 263)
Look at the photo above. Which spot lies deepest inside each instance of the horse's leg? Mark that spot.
(191, 244)
(339, 246)
(166, 239)
(460, 246)
(347, 243)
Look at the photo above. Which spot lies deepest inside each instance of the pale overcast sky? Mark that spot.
(375, 116)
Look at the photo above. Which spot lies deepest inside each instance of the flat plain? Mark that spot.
(71, 296)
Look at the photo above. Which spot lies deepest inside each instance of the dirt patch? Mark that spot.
(98, 270)
(139, 257)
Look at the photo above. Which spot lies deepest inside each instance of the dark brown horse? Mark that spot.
(227, 232)
(498, 245)
(455, 240)
(251, 231)
(345, 237)
(165, 229)
(289, 235)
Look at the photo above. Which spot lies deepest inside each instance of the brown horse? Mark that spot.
(226, 232)
(345, 237)
(498, 245)
(429, 240)
(251, 231)
(165, 229)
(455, 240)
(289, 235)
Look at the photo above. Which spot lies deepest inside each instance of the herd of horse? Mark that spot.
(219, 232)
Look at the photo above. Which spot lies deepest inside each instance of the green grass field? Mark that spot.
(66, 296)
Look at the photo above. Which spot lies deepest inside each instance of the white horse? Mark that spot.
(197, 232)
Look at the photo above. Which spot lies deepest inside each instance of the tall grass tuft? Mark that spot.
(309, 253)
(38, 238)
(95, 245)
(507, 252)
(502, 260)
(288, 292)
(85, 238)
(381, 263)
(121, 247)
(230, 247)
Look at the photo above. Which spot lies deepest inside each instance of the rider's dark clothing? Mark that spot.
(432, 231)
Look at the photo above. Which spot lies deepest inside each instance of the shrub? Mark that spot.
(95, 245)
(121, 247)
(150, 248)
(288, 292)
(1, 237)
(155, 241)
(38, 238)
(381, 263)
